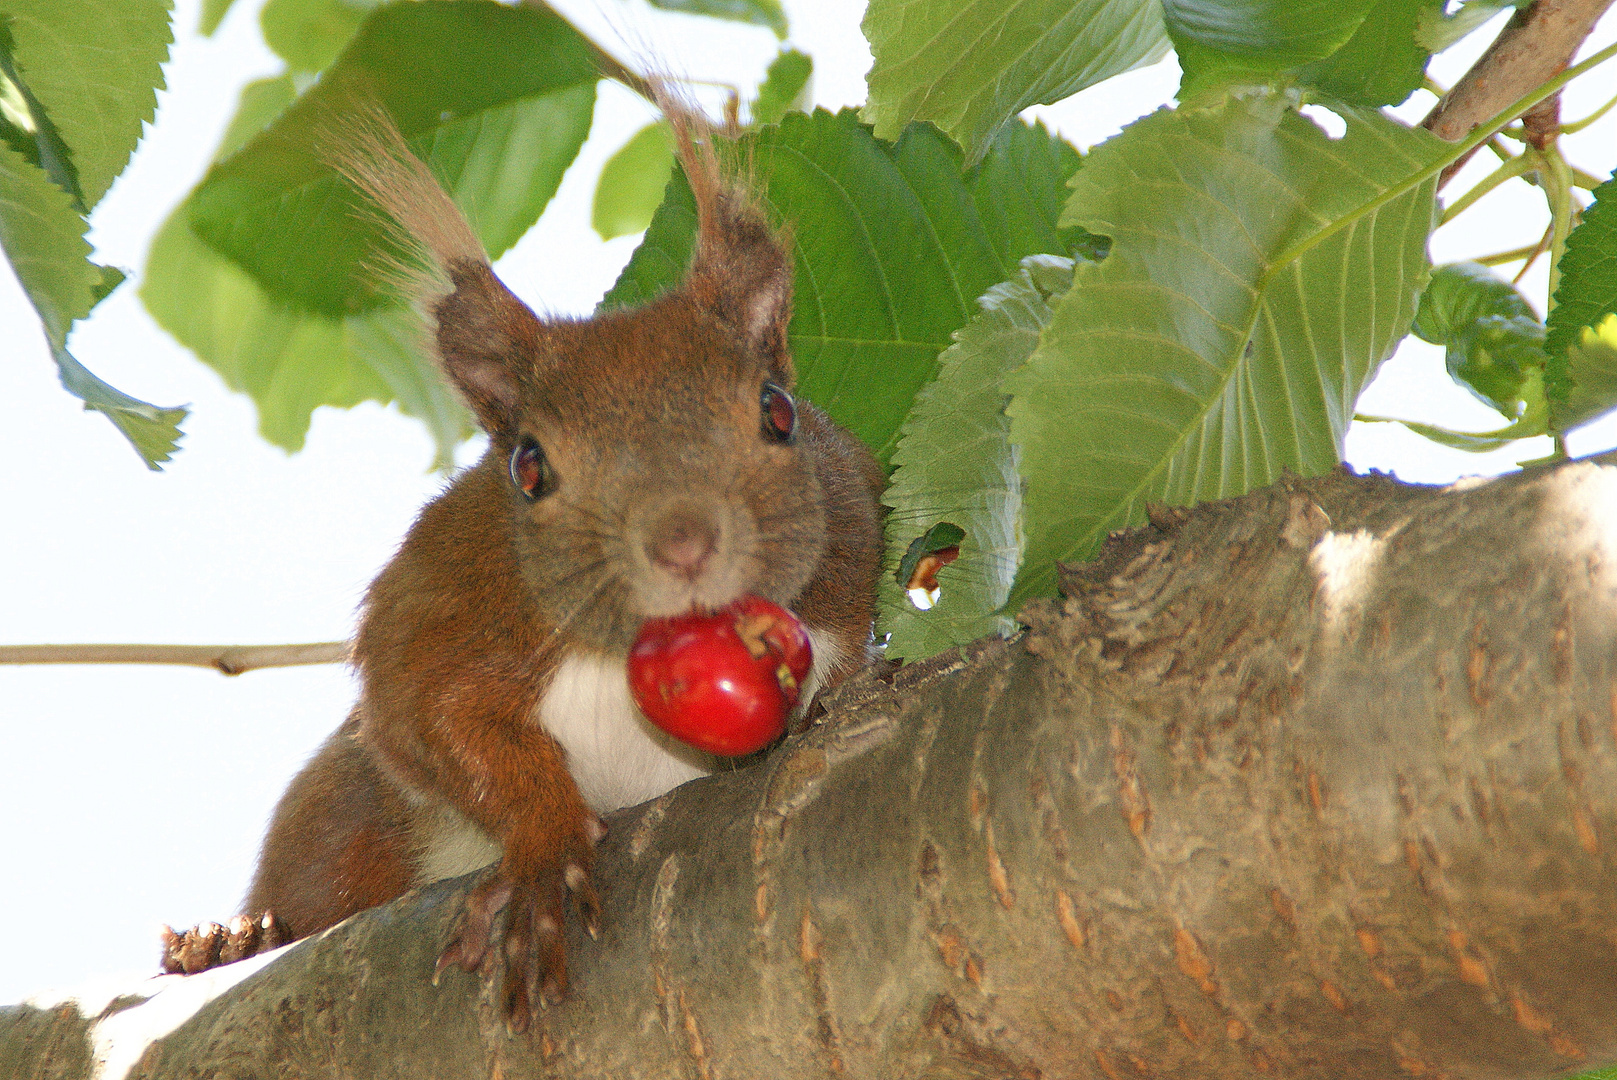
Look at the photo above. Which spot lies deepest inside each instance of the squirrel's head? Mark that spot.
(653, 458)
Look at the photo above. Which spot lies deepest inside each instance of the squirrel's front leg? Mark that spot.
(542, 865)
(474, 745)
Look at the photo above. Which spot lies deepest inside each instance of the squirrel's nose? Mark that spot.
(682, 543)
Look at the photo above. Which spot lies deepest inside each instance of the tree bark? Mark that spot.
(1318, 782)
(1536, 45)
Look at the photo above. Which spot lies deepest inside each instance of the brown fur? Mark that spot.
(650, 420)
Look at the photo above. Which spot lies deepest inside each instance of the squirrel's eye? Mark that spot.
(779, 414)
(529, 470)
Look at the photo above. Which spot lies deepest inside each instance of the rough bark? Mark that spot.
(1319, 782)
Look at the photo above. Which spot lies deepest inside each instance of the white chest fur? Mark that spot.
(616, 755)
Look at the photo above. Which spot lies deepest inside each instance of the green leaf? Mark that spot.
(1586, 295)
(291, 362)
(153, 431)
(308, 34)
(43, 236)
(496, 99)
(260, 103)
(96, 70)
(1458, 295)
(111, 278)
(894, 242)
(785, 87)
(1493, 342)
(1438, 31)
(1592, 371)
(27, 128)
(1225, 42)
(970, 65)
(955, 463)
(632, 182)
(1383, 62)
(213, 13)
(1496, 358)
(1259, 274)
(757, 12)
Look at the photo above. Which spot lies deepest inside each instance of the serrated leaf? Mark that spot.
(785, 87)
(96, 70)
(308, 34)
(496, 99)
(110, 278)
(893, 244)
(632, 182)
(955, 462)
(154, 431)
(1225, 42)
(1586, 294)
(43, 236)
(756, 12)
(1383, 62)
(291, 362)
(970, 65)
(27, 128)
(1259, 273)
(1592, 367)
(1493, 342)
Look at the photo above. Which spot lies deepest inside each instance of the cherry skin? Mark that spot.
(723, 681)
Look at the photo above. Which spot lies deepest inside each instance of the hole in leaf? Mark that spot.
(927, 554)
(1332, 124)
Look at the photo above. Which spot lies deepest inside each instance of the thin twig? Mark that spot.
(1538, 42)
(230, 659)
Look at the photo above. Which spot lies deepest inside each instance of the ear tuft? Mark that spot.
(742, 270)
(484, 336)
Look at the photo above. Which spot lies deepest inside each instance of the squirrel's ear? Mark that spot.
(484, 337)
(742, 271)
(744, 275)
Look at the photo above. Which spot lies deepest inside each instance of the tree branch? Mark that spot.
(230, 659)
(1316, 783)
(1535, 45)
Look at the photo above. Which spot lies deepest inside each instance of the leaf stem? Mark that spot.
(1500, 258)
(1512, 168)
(1479, 135)
(1578, 125)
(1557, 180)
(1533, 254)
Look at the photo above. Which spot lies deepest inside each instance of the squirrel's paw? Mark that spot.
(526, 951)
(208, 945)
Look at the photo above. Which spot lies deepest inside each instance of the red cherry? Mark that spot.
(722, 681)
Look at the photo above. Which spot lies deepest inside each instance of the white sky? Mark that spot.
(137, 795)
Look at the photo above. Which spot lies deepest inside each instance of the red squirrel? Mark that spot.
(640, 463)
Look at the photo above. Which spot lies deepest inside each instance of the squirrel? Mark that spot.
(640, 463)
